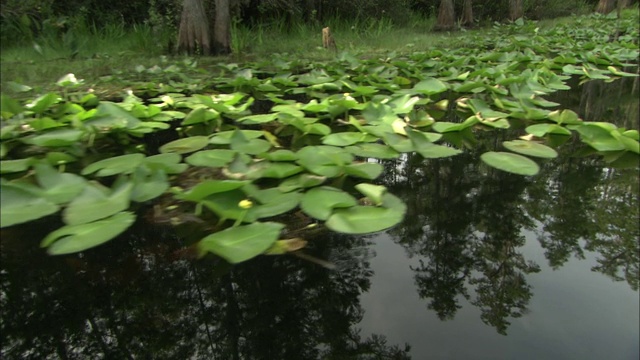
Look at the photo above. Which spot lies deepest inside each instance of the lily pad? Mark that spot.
(530, 148)
(367, 219)
(320, 202)
(124, 164)
(19, 206)
(75, 238)
(95, 203)
(510, 162)
(186, 145)
(242, 243)
(211, 158)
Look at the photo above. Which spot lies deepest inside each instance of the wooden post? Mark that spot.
(328, 41)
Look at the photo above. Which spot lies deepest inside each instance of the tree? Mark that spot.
(193, 34)
(467, 13)
(515, 9)
(446, 16)
(605, 6)
(222, 28)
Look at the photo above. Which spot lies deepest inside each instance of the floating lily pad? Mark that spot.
(208, 187)
(367, 219)
(58, 188)
(19, 206)
(242, 243)
(186, 145)
(530, 148)
(510, 162)
(75, 238)
(95, 203)
(211, 158)
(124, 164)
(373, 192)
(320, 202)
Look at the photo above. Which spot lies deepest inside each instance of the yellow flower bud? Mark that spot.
(245, 204)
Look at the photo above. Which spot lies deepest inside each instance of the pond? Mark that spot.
(485, 265)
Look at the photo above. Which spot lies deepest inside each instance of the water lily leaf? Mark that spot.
(19, 206)
(110, 115)
(633, 134)
(249, 146)
(169, 163)
(124, 164)
(301, 181)
(367, 219)
(148, 184)
(11, 166)
(364, 170)
(95, 203)
(43, 103)
(541, 130)
(55, 138)
(258, 119)
(403, 104)
(510, 162)
(430, 86)
(280, 155)
(271, 202)
(530, 148)
(9, 107)
(186, 145)
(75, 238)
(242, 243)
(629, 143)
(211, 158)
(427, 149)
(281, 247)
(324, 160)
(200, 115)
(224, 137)
(59, 188)
(208, 187)
(347, 138)
(566, 117)
(378, 151)
(598, 137)
(373, 192)
(320, 202)
(280, 170)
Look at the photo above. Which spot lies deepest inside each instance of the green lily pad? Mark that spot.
(12, 166)
(510, 162)
(279, 170)
(169, 163)
(301, 181)
(373, 192)
(55, 138)
(148, 184)
(364, 170)
(530, 148)
(347, 138)
(211, 158)
(124, 164)
(541, 130)
(378, 151)
(19, 206)
(430, 86)
(58, 188)
(242, 243)
(324, 160)
(367, 219)
(95, 203)
(186, 145)
(208, 187)
(75, 238)
(320, 202)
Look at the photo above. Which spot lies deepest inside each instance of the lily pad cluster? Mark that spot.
(279, 137)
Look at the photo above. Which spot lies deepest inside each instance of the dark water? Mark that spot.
(486, 265)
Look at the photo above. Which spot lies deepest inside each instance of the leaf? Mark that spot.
(124, 164)
(272, 202)
(200, 115)
(427, 149)
(512, 163)
(373, 192)
(364, 170)
(211, 158)
(43, 103)
(55, 138)
(367, 219)
(301, 181)
(598, 137)
(59, 188)
(95, 203)
(75, 238)
(208, 187)
(324, 160)
(258, 119)
(280, 170)
(378, 151)
(12, 166)
(186, 145)
(430, 86)
(248, 146)
(530, 148)
(541, 130)
(19, 206)
(242, 243)
(169, 163)
(320, 202)
(148, 184)
(224, 137)
(347, 138)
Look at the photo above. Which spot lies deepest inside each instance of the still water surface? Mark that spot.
(486, 265)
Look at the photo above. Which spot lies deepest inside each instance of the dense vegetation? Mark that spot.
(235, 148)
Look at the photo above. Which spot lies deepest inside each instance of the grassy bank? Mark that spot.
(101, 55)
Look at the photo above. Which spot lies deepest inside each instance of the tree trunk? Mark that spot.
(222, 28)
(515, 9)
(605, 6)
(467, 13)
(193, 35)
(446, 16)
(621, 5)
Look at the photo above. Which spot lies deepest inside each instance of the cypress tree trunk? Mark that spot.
(605, 6)
(446, 16)
(193, 34)
(222, 28)
(515, 9)
(467, 13)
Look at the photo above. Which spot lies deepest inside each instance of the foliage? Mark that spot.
(271, 136)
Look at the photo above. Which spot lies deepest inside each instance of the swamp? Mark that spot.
(397, 193)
